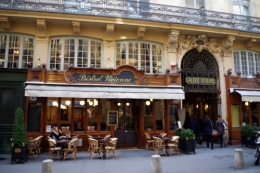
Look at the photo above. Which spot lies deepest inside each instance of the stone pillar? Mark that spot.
(156, 166)
(47, 166)
(239, 162)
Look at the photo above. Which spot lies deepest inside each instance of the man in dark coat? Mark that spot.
(208, 128)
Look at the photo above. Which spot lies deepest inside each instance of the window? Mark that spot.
(247, 62)
(140, 55)
(78, 52)
(241, 7)
(16, 51)
(199, 4)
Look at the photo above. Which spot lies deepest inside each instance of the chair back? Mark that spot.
(147, 136)
(89, 136)
(32, 143)
(107, 136)
(72, 143)
(52, 143)
(175, 138)
(157, 142)
(163, 134)
(76, 136)
(93, 143)
(113, 142)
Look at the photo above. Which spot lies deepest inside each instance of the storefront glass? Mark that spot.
(159, 114)
(92, 114)
(79, 114)
(245, 113)
(148, 115)
(105, 107)
(52, 113)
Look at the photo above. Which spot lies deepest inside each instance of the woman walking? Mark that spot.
(208, 128)
(220, 129)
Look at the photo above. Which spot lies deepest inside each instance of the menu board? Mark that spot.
(112, 118)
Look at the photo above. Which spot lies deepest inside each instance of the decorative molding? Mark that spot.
(41, 26)
(227, 44)
(250, 42)
(140, 32)
(110, 32)
(214, 46)
(5, 23)
(76, 27)
(173, 41)
(256, 80)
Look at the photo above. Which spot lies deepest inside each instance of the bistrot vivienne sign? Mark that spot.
(124, 77)
(200, 81)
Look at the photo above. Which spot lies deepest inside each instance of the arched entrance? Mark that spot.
(200, 78)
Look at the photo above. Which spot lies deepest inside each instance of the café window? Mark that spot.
(105, 107)
(247, 62)
(141, 55)
(148, 115)
(52, 111)
(92, 114)
(77, 52)
(16, 51)
(79, 115)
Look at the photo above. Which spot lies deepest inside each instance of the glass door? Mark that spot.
(126, 129)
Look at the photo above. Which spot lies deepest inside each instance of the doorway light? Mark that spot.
(127, 104)
(118, 104)
(147, 103)
(82, 102)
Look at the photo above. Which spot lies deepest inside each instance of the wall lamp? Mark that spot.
(173, 65)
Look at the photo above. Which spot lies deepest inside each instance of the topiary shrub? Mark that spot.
(184, 134)
(19, 132)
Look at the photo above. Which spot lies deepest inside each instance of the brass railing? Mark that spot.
(139, 10)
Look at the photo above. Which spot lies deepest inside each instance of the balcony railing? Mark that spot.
(137, 10)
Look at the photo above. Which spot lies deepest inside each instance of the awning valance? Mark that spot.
(90, 91)
(248, 95)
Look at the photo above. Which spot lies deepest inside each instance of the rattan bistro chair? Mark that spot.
(38, 144)
(111, 146)
(174, 145)
(71, 148)
(94, 147)
(53, 148)
(32, 148)
(148, 141)
(159, 145)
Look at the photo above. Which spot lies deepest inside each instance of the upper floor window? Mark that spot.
(78, 52)
(140, 55)
(241, 7)
(247, 62)
(199, 4)
(16, 51)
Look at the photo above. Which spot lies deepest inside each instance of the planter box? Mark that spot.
(19, 154)
(187, 146)
(248, 142)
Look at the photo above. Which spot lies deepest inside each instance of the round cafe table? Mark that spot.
(62, 143)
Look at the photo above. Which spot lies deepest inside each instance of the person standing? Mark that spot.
(194, 126)
(220, 129)
(208, 128)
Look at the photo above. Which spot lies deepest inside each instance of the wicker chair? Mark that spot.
(148, 141)
(174, 145)
(32, 148)
(158, 145)
(53, 148)
(94, 147)
(38, 144)
(71, 148)
(111, 146)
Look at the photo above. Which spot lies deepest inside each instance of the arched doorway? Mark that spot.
(200, 78)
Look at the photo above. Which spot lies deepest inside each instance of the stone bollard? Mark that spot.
(156, 166)
(239, 162)
(47, 166)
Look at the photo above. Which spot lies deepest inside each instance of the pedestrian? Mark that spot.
(194, 126)
(220, 127)
(208, 128)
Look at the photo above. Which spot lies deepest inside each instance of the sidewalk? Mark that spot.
(205, 160)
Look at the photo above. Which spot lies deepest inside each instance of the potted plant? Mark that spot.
(248, 136)
(187, 140)
(19, 138)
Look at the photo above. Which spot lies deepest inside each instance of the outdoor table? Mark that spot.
(102, 143)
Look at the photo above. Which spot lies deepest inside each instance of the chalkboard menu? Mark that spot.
(112, 118)
(34, 117)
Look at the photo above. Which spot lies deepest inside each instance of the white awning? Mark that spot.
(90, 91)
(248, 95)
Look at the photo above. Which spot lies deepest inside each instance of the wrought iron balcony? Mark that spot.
(140, 11)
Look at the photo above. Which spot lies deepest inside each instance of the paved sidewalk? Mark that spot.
(205, 160)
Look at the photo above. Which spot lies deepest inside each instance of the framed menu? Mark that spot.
(112, 118)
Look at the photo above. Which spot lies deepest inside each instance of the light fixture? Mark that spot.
(82, 102)
(16, 52)
(246, 103)
(197, 106)
(127, 104)
(147, 103)
(54, 103)
(173, 65)
(90, 103)
(67, 102)
(151, 100)
(118, 104)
